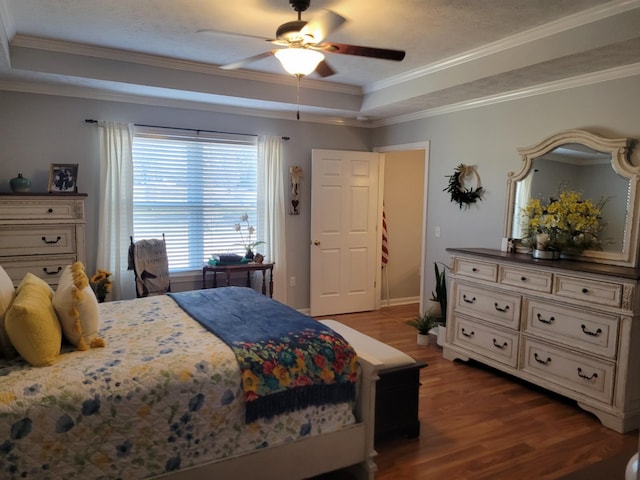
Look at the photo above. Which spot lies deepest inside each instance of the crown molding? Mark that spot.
(60, 46)
(101, 94)
(557, 26)
(550, 87)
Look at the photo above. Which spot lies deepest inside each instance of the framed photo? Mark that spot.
(63, 178)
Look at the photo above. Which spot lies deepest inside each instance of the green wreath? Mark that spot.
(460, 194)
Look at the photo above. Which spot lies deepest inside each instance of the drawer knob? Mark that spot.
(544, 320)
(474, 269)
(524, 279)
(590, 332)
(497, 345)
(46, 270)
(471, 334)
(49, 242)
(539, 360)
(465, 299)
(501, 309)
(50, 210)
(586, 377)
(585, 290)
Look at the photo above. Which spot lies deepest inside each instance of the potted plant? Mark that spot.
(423, 323)
(439, 298)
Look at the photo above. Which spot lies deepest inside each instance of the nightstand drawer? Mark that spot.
(475, 269)
(500, 345)
(37, 240)
(572, 371)
(592, 332)
(526, 278)
(600, 293)
(497, 307)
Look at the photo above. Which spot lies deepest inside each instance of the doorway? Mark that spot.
(405, 175)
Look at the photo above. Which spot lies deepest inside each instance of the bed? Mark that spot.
(165, 398)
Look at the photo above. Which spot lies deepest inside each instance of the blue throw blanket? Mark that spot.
(288, 360)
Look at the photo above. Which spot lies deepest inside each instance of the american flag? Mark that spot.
(385, 240)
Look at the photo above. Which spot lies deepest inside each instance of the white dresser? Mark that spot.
(571, 327)
(41, 234)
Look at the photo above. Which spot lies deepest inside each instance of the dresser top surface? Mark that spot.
(572, 265)
(41, 194)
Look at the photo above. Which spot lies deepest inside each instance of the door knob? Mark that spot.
(316, 242)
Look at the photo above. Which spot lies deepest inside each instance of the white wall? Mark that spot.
(488, 137)
(36, 130)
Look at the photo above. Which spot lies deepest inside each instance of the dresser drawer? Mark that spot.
(575, 327)
(534, 280)
(492, 306)
(500, 345)
(476, 269)
(600, 293)
(37, 240)
(43, 209)
(570, 370)
(48, 268)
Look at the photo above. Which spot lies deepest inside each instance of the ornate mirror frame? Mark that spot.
(619, 150)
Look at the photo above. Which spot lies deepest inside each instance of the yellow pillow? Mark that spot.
(7, 294)
(32, 324)
(77, 308)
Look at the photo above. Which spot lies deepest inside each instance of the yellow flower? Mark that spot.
(250, 381)
(101, 283)
(282, 375)
(327, 375)
(566, 223)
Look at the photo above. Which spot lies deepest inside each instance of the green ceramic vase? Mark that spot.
(20, 184)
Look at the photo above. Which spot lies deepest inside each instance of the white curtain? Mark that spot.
(523, 195)
(271, 210)
(115, 223)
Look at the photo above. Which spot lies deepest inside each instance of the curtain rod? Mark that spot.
(90, 120)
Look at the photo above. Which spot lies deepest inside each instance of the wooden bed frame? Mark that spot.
(348, 447)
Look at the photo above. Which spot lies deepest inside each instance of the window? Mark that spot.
(193, 187)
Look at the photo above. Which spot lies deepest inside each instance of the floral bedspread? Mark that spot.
(164, 394)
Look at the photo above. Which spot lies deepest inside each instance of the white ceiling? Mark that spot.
(460, 53)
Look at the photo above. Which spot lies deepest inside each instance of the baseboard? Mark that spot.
(394, 302)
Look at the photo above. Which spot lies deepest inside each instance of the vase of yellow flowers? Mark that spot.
(565, 224)
(101, 284)
(247, 244)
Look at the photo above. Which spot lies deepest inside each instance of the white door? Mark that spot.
(345, 248)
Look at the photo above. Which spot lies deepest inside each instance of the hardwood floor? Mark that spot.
(477, 423)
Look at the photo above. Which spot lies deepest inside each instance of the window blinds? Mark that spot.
(193, 187)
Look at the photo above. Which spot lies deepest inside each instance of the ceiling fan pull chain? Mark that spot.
(298, 97)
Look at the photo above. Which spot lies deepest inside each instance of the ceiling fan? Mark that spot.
(304, 42)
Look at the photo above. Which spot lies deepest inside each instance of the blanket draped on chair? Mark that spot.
(148, 259)
(288, 360)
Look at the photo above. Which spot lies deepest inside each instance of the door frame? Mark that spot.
(424, 271)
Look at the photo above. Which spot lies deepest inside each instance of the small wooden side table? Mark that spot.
(240, 267)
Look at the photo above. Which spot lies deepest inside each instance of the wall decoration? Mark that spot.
(63, 178)
(460, 193)
(295, 175)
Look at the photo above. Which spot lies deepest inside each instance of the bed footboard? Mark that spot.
(351, 447)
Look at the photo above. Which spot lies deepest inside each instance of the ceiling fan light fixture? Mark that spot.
(299, 61)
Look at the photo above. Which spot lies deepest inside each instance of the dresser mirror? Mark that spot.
(597, 167)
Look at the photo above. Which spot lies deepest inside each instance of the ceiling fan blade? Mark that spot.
(213, 31)
(320, 26)
(372, 52)
(246, 61)
(324, 70)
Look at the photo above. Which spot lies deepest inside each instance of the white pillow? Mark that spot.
(7, 295)
(77, 308)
